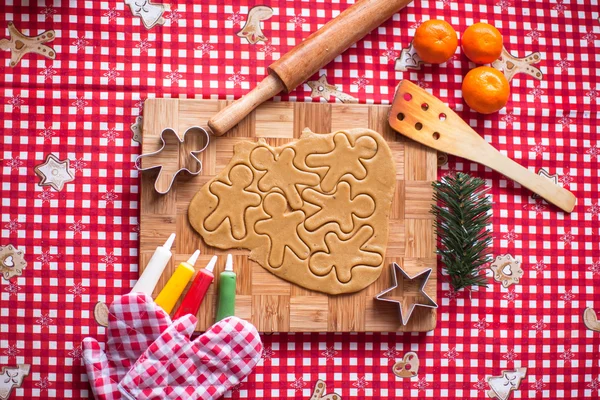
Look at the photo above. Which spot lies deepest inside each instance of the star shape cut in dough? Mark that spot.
(411, 296)
(54, 172)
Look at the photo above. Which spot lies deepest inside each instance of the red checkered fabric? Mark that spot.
(175, 368)
(134, 323)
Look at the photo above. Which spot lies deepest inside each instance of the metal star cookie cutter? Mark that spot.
(173, 158)
(429, 302)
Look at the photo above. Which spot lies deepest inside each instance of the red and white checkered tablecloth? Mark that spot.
(80, 243)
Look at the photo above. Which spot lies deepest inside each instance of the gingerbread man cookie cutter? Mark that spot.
(176, 154)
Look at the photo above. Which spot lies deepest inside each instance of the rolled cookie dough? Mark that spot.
(313, 212)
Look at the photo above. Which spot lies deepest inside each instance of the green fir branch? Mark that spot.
(462, 214)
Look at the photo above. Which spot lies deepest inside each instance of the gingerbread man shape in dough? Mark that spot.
(345, 255)
(344, 159)
(335, 206)
(240, 177)
(282, 229)
(282, 173)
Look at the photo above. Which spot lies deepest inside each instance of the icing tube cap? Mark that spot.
(211, 264)
(229, 263)
(169, 243)
(192, 260)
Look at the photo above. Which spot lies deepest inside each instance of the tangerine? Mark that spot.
(435, 41)
(482, 43)
(485, 90)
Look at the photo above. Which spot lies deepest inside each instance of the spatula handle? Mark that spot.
(550, 192)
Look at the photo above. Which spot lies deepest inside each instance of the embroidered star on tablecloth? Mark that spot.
(54, 172)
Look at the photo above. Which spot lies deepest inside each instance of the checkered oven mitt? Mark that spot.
(134, 323)
(176, 368)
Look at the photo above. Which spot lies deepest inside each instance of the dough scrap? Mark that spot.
(313, 212)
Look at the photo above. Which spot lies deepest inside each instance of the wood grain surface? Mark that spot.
(270, 303)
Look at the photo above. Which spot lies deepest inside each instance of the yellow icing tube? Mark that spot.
(176, 284)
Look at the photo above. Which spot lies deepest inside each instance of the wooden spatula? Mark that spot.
(425, 119)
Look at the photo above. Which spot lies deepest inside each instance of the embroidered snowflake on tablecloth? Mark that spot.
(76, 353)
(510, 355)
(536, 92)
(451, 354)
(43, 384)
(78, 164)
(112, 74)
(44, 320)
(538, 385)
(567, 238)
(422, 84)
(481, 385)
(589, 37)
(361, 383)
(236, 18)
(11, 351)
(567, 355)
(16, 101)
(510, 236)
(592, 94)
(236, 78)
(14, 163)
(268, 49)
(48, 12)
(446, 3)
(416, 24)
(594, 384)
(13, 225)
(534, 35)
(595, 267)
(567, 296)
(112, 14)
(452, 294)
(538, 149)
(593, 151)
(46, 133)
(538, 326)
(237, 388)
(45, 196)
(12, 288)
(174, 76)
(110, 196)
(564, 65)
(80, 43)
(391, 54)
(559, 7)
(111, 134)
(481, 325)
(297, 21)
(361, 82)
(140, 105)
(508, 119)
(538, 207)
(565, 122)
(391, 353)
(45, 258)
(48, 72)
(174, 16)
(77, 289)
(205, 48)
(421, 384)
(511, 296)
(298, 384)
(329, 353)
(79, 103)
(539, 267)
(504, 4)
(143, 45)
(136, 228)
(109, 259)
(566, 179)
(77, 227)
(267, 353)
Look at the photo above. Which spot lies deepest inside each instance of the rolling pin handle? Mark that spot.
(231, 115)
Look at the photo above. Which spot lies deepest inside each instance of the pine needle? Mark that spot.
(462, 215)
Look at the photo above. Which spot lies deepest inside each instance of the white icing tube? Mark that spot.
(155, 268)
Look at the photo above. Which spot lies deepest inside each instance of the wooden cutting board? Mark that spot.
(270, 303)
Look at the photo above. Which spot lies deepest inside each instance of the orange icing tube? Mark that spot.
(176, 284)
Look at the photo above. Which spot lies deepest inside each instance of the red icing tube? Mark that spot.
(193, 299)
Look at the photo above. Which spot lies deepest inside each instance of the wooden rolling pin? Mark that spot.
(308, 57)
